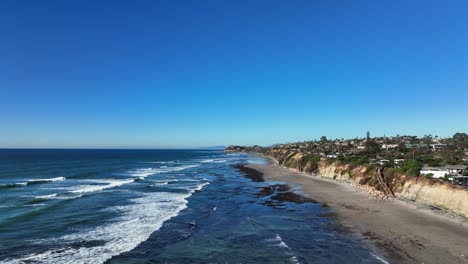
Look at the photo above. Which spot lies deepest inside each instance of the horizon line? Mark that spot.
(65, 148)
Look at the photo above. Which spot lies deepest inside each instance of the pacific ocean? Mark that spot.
(159, 206)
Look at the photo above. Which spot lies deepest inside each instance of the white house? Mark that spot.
(456, 170)
(436, 147)
(384, 161)
(398, 161)
(389, 146)
(437, 172)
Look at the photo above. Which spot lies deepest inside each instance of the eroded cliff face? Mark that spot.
(442, 195)
(295, 160)
(421, 190)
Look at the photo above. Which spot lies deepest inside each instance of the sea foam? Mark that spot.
(48, 180)
(145, 172)
(95, 188)
(278, 241)
(98, 185)
(31, 182)
(137, 221)
(213, 161)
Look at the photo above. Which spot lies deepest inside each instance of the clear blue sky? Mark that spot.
(200, 73)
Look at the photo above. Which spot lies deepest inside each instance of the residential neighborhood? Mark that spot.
(428, 156)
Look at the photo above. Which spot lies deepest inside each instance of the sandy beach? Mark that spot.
(399, 231)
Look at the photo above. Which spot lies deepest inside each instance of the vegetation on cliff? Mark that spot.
(359, 167)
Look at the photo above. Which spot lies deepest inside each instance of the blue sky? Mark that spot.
(157, 74)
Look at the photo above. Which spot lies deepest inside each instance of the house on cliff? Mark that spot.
(456, 170)
(435, 172)
(441, 172)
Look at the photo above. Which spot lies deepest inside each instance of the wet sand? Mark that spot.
(399, 231)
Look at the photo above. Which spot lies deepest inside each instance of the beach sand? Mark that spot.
(399, 231)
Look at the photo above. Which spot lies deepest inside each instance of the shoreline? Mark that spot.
(399, 231)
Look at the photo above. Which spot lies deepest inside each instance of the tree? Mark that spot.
(323, 139)
(427, 139)
(460, 140)
(460, 137)
(409, 167)
(372, 147)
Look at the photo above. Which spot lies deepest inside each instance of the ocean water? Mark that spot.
(159, 206)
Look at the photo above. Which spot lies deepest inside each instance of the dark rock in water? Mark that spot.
(279, 194)
(250, 173)
(269, 190)
(88, 244)
(293, 198)
(192, 224)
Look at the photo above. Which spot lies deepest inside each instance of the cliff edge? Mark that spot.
(418, 189)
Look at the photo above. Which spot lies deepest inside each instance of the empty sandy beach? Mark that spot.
(399, 231)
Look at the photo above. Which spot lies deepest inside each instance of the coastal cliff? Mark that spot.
(418, 189)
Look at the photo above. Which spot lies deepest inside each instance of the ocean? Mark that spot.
(159, 206)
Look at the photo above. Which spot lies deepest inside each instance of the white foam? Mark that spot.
(136, 223)
(294, 259)
(159, 184)
(379, 258)
(160, 162)
(145, 172)
(236, 154)
(278, 241)
(99, 185)
(213, 161)
(33, 205)
(95, 188)
(193, 189)
(163, 182)
(55, 196)
(198, 187)
(48, 180)
(46, 196)
(183, 167)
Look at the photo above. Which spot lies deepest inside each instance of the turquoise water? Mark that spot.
(158, 206)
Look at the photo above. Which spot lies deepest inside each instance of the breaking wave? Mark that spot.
(213, 161)
(95, 188)
(30, 182)
(136, 222)
(145, 172)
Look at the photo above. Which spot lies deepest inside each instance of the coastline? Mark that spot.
(399, 231)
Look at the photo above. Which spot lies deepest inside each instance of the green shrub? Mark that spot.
(370, 170)
(429, 175)
(359, 161)
(410, 167)
(288, 157)
(311, 159)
